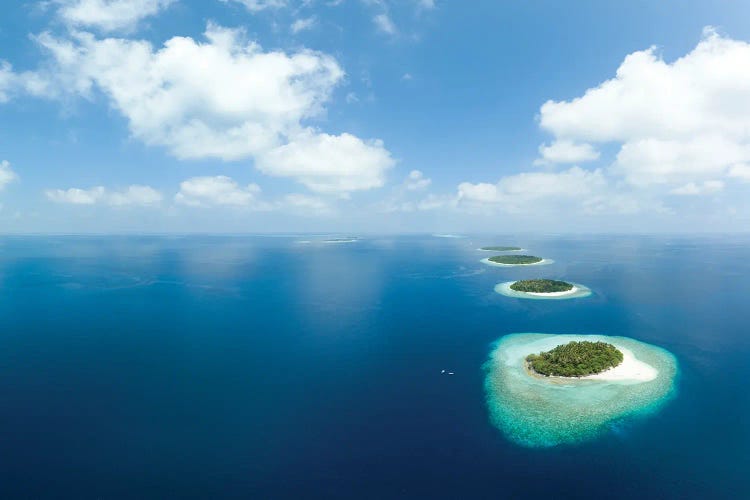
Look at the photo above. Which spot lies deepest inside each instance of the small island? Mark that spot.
(538, 411)
(575, 359)
(341, 240)
(541, 286)
(514, 260)
(501, 249)
(542, 289)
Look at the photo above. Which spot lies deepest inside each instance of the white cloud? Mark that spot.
(7, 78)
(572, 190)
(258, 5)
(329, 163)
(429, 202)
(7, 175)
(677, 123)
(217, 191)
(303, 24)
(109, 15)
(223, 191)
(135, 195)
(417, 181)
(434, 202)
(303, 204)
(426, 4)
(691, 188)
(566, 152)
(740, 171)
(384, 24)
(224, 98)
(409, 196)
(12, 83)
(529, 186)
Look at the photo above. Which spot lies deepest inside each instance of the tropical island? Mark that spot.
(541, 286)
(542, 289)
(514, 260)
(538, 411)
(575, 359)
(501, 249)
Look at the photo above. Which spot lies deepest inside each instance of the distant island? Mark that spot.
(575, 359)
(515, 259)
(541, 286)
(341, 240)
(501, 249)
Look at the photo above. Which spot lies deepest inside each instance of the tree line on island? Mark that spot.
(575, 359)
(541, 286)
(515, 259)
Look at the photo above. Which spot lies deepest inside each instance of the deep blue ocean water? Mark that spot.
(260, 367)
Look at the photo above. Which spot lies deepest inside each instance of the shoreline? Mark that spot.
(551, 294)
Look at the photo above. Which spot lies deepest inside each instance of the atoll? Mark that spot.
(538, 411)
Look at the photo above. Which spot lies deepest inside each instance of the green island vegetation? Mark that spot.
(541, 286)
(515, 259)
(575, 359)
(501, 249)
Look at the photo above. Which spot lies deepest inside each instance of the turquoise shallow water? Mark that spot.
(547, 411)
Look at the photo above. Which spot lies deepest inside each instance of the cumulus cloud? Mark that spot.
(384, 24)
(224, 98)
(329, 163)
(676, 122)
(740, 171)
(27, 82)
(223, 191)
(410, 196)
(109, 15)
(691, 188)
(572, 190)
(7, 78)
(7, 175)
(566, 152)
(304, 24)
(135, 195)
(218, 190)
(417, 181)
(303, 204)
(258, 5)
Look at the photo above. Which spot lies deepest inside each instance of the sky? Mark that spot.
(363, 116)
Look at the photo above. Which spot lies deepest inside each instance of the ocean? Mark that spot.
(286, 367)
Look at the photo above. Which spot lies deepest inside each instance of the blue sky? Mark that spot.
(374, 116)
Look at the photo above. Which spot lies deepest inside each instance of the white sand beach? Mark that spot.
(554, 294)
(630, 369)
